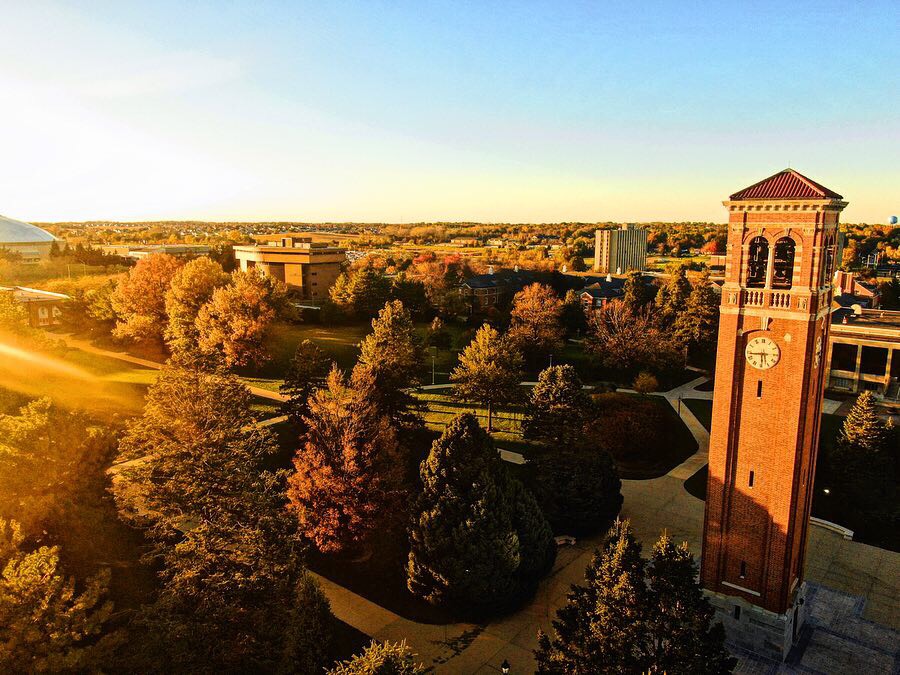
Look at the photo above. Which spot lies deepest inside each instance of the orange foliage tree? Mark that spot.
(139, 300)
(348, 470)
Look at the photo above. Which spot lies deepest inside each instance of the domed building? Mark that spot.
(29, 241)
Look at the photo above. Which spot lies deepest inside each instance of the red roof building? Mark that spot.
(787, 184)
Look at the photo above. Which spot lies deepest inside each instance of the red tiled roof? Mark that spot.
(787, 184)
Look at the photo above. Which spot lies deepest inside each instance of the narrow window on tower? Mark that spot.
(743, 569)
(759, 389)
(751, 479)
(783, 272)
(737, 612)
(758, 262)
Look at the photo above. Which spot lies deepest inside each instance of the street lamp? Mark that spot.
(504, 667)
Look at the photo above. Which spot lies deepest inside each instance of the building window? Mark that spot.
(743, 569)
(737, 612)
(758, 263)
(750, 482)
(759, 389)
(841, 383)
(783, 272)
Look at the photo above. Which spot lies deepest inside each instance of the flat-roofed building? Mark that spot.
(622, 250)
(311, 268)
(864, 352)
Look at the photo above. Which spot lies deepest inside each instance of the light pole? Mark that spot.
(551, 360)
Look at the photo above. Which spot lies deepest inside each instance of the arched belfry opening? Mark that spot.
(783, 263)
(758, 262)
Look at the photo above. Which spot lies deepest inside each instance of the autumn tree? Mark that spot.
(645, 383)
(634, 618)
(46, 625)
(388, 658)
(140, 298)
(232, 326)
(347, 471)
(558, 405)
(489, 371)
(192, 286)
(478, 538)
(536, 328)
(393, 354)
(305, 372)
(622, 340)
(192, 471)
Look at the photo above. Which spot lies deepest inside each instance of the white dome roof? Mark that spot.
(17, 232)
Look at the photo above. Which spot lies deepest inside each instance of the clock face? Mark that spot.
(762, 353)
(818, 354)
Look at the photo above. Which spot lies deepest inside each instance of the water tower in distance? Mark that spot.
(892, 220)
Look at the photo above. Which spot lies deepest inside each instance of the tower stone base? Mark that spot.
(758, 630)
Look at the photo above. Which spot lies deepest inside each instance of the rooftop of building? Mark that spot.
(288, 243)
(862, 317)
(16, 232)
(25, 294)
(787, 184)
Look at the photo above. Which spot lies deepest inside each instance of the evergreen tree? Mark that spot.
(348, 471)
(307, 368)
(636, 294)
(217, 519)
(683, 638)
(476, 539)
(672, 297)
(696, 327)
(600, 629)
(393, 354)
(45, 625)
(307, 642)
(361, 291)
(54, 249)
(618, 623)
(488, 372)
(863, 430)
(573, 317)
(558, 406)
(387, 658)
(578, 487)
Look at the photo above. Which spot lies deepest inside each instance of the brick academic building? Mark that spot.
(774, 323)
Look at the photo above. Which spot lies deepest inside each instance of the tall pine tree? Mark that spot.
(631, 618)
(478, 539)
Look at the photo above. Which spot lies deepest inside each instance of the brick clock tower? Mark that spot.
(773, 330)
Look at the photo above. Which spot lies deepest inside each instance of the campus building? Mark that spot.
(771, 370)
(29, 242)
(311, 268)
(622, 250)
(43, 307)
(864, 352)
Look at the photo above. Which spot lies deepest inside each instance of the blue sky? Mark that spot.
(441, 111)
